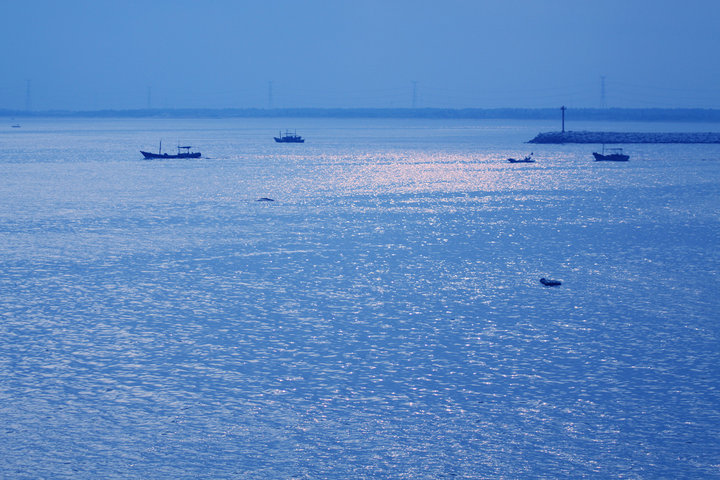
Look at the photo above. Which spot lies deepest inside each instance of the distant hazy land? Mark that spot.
(613, 114)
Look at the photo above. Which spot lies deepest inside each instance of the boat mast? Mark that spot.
(160, 148)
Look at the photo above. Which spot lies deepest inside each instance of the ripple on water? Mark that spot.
(382, 318)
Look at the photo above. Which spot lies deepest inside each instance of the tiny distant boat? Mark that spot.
(613, 155)
(183, 152)
(527, 159)
(17, 125)
(550, 283)
(289, 138)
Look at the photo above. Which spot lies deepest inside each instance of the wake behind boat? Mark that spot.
(183, 152)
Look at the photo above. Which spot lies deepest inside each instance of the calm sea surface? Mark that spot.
(382, 318)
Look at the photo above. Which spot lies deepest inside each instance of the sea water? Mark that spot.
(381, 318)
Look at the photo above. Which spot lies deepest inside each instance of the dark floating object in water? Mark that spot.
(264, 199)
(550, 283)
(527, 159)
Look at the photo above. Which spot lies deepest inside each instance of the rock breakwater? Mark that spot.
(625, 137)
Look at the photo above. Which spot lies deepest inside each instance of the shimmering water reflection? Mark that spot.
(382, 318)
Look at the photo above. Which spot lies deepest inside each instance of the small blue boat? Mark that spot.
(527, 159)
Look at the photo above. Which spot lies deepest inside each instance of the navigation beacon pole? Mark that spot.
(563, 117)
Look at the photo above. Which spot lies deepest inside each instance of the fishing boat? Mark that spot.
(289, 137)
(183, 152)
(613, 155)
(527, 159)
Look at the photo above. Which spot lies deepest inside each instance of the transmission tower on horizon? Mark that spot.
(28, 98)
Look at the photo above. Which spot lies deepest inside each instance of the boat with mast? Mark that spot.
(289, 137)
(526, 159)
(613, 155)
(183, 152)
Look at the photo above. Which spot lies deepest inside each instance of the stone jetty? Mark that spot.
(625, 137)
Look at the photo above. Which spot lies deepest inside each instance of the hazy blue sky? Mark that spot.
(93, 54)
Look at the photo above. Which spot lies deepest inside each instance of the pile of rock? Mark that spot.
(625, 137)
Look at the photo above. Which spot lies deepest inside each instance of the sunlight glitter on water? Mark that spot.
(382, 318)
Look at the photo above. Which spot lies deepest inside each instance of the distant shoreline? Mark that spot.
(625, 137)
(579, 114)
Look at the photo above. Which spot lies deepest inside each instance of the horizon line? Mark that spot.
(539, 113)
